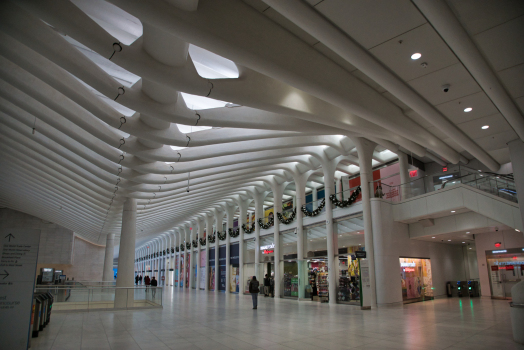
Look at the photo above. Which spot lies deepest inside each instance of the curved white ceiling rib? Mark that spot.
(85, 124)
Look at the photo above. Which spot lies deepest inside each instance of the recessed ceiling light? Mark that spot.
(463, 242)
(469, 109)
(467, 232)
(360, 244)
(469, 248)
(517, 230)
(449, 240)
(432, 237)
(416, 56)
(452, 211)
(485, 127)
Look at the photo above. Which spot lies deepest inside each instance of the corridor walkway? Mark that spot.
(202, 320)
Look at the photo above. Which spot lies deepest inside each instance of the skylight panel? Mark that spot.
(199, 102)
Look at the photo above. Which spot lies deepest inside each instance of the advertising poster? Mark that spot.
(222, 266)
(176, 271)
(181, 280)
(234, 263)
(212, 268)
(188, 257)
(202, 269)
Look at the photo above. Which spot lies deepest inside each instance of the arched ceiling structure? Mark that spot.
(186, 104)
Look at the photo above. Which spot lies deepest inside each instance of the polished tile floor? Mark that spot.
(202, 320)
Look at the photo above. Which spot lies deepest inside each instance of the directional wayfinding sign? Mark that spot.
(18, 257)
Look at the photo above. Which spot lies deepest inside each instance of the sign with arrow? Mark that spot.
(18, 258)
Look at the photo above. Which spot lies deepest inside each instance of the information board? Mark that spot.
(19, 255)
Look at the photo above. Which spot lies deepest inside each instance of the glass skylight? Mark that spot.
(199, 102)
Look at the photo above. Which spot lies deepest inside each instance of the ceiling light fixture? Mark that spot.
(468, 109)
(416, 56)
(452, 211)
(449, 240)
(432, 237)
(463, 242)
(467, 232)
(485, 127)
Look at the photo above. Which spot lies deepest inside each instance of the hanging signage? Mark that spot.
(360, 254)
(413, 173)
(499, 251)
(269, 246)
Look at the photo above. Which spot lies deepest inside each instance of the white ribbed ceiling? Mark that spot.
(105, 100)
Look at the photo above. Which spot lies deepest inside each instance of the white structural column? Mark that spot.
(108, 275)
(181, 235)
(230, 212)
(187, 258)
(278, 191)
(516, 153)
(259, 214)
(209, 232)
(338, 189)
(332, 239)
(191, 264)
(167, 237)
(219, 217)
(365, 150)
(404, 175)
(314, 195)
(300, 195)
(200, 227)
(243, 205)
(173, 256)
(125, 297)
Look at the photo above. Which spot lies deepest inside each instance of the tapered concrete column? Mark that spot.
(173, 256)
(200, 227)
(209, 232)
(125, 297)
(230, 212)
(180, 259)
(278, 190)
(338, 188)
(219, 217)
(404, 175)
(365, 150)
(300, 195)
(242, 204)
(108, 275)
(259, 214)
(516, 153)
(314, 195)
(191, 257)
(187, 265)
(331, 238)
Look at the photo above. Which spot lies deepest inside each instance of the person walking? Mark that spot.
(136, 279)
(267, 285)
(147, 282)
(154, 284)
(253, 289)
(140, 279)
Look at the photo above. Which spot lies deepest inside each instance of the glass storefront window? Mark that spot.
(350, 238)
(288, 264)
(416, 279)
(316, 279)
(505, 268)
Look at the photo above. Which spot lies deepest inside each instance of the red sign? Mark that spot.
(409, 269)
(268, 251)
(498, 244)
(510, 267)
(163, 278)
(413, 173)
(494, 268)
(444, 169)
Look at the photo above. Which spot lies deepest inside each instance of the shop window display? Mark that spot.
(318, 280)
(416, 279)
(349, 277)
(290, 279)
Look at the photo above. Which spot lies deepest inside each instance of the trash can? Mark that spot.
(517, 312)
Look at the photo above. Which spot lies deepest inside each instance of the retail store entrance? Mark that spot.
(416, 279)
(505, 269)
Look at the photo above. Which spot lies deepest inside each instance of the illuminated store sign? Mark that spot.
(269, 246)
(405, 264)
(499, 251)
(268, 251)
(445, 177)
(504, 263)
(409, 269)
